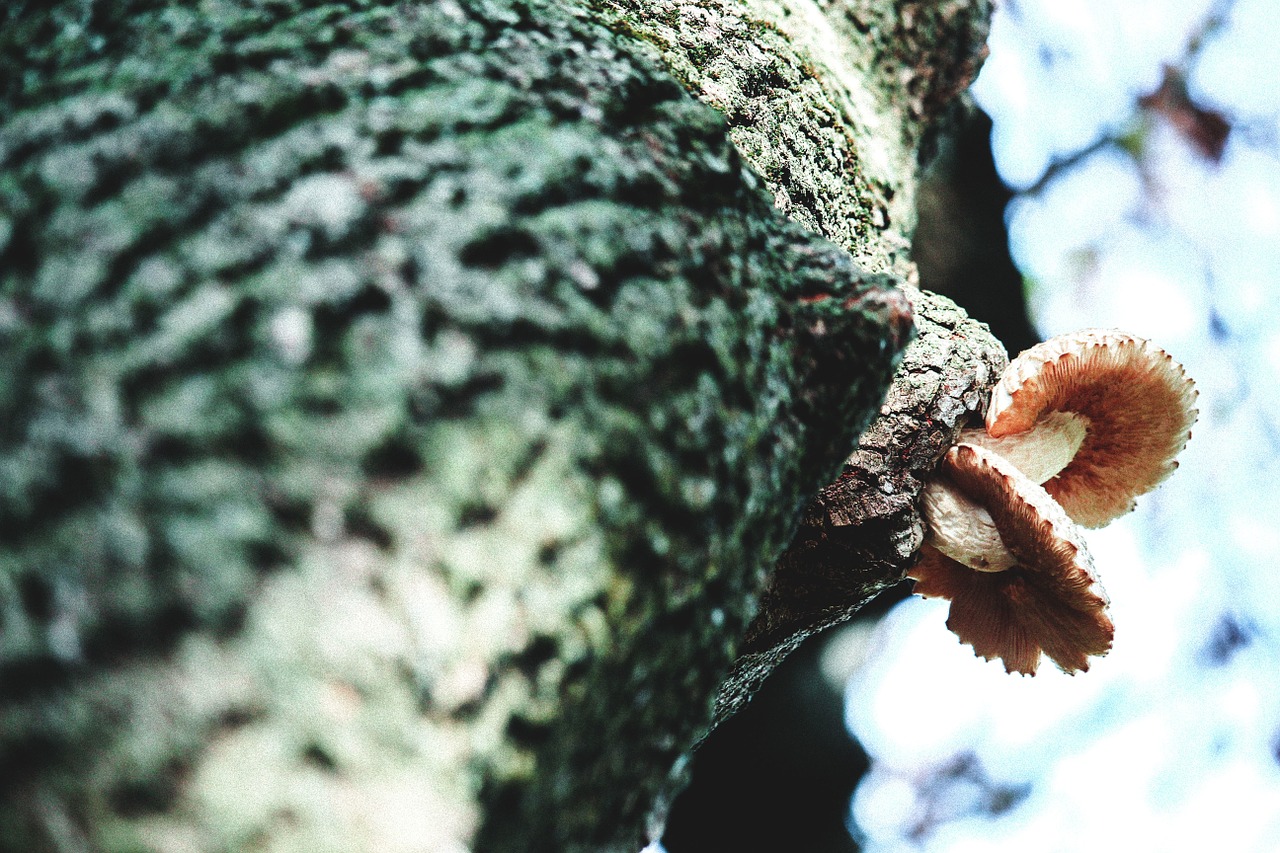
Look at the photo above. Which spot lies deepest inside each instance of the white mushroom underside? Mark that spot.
(1040, 452)
(963, 530)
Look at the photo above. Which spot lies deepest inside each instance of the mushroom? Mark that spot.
(1115, 409)
(1039, 594)
(1098, 417)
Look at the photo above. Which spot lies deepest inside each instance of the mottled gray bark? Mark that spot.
(404, 403)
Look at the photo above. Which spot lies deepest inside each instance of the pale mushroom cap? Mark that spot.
(1049, 600)
(962, 529)
(1040, 452)
(1137, 402)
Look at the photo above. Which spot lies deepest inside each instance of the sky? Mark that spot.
(1134, 213)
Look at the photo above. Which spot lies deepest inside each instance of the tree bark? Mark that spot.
(861, 532)
(405, 402)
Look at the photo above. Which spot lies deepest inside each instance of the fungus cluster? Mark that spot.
(1078, 427)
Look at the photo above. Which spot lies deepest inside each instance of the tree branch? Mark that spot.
(861, 533)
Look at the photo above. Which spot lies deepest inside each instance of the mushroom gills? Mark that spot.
(1046, 598)
(1138, 405)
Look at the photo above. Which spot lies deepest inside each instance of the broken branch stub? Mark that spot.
(861, 533)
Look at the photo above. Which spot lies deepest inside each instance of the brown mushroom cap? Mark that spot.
(1050, 601)
(1139, 406)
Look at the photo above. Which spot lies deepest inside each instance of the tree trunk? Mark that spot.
(405, 402)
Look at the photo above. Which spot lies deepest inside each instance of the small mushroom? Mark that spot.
(1043, 598)
(1135, 404)
(1098, 418)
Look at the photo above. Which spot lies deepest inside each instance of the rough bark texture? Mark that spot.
(403, 404)
(829, 101)
(833, 102)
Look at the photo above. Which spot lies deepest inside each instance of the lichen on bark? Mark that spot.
(830, 101)
(403, 404)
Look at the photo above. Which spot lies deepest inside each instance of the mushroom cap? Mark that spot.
(1040, 452)
(1048, 602)
(1138, 404)
(961, 529)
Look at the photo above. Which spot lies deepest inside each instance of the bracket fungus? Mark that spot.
(1078, 427)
